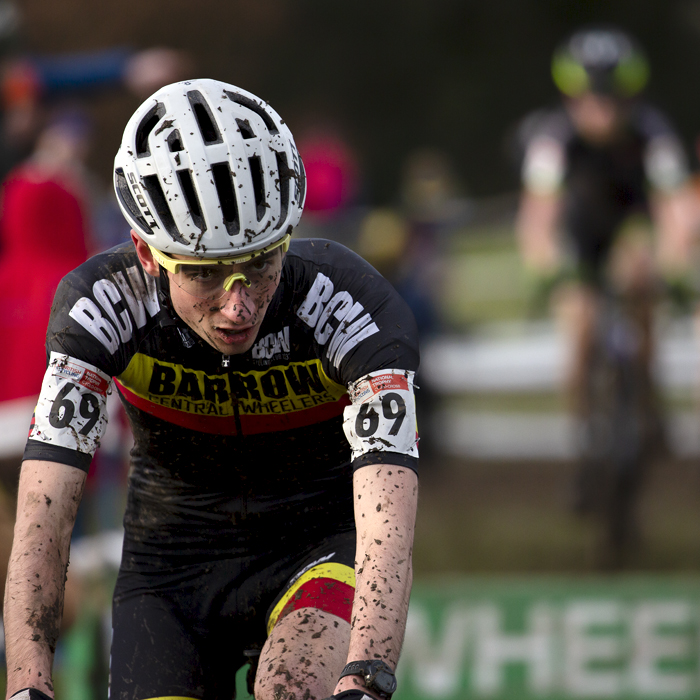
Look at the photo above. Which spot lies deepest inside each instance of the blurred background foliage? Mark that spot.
(392, 75)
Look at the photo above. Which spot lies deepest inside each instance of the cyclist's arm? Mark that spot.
(537, 219)
(676, 216)
(385, 498)
(673, 202)
(47, 502)
(536, 228)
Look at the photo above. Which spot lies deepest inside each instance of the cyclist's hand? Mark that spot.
(351, 695)
(681, 293)
(543, 286)
(30, 694)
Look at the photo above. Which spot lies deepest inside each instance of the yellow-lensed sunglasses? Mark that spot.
(174, 265)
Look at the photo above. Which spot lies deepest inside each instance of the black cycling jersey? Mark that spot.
(231, 450)
(602, 184)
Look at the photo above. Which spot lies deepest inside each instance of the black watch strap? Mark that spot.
(377, 676)
(30, 694)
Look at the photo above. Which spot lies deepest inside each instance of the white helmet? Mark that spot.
(206, 169)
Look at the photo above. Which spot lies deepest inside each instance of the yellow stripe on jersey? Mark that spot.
(299, 385)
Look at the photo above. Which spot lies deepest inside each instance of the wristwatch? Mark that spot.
(376, 675)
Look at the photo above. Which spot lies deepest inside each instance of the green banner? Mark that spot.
(554, 638)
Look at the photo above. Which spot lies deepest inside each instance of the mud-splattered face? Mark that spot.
(231, 323)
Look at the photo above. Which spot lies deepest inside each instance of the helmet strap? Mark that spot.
(163, 286)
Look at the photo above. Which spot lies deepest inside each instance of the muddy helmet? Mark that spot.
(206, 169)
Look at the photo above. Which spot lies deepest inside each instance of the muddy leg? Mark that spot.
(303, 656)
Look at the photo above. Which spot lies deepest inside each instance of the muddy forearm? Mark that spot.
(46, 507)
(386, 523)
(381, 605)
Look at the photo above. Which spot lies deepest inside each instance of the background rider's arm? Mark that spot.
(47, 502)
(536, 227)
(674, 204)
(385, 498)
(676, 215)
(537, 220)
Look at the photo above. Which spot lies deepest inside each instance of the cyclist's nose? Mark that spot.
(237, 304)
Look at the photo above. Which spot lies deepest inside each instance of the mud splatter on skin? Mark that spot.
(37, 570)
(46, 623)
(206, 318)
(315, 651)
(384, 573)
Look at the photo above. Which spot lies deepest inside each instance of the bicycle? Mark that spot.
(621, 433)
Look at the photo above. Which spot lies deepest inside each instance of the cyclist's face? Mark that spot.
(228, 321)
(597, 118)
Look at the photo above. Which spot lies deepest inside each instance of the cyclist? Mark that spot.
(269, 386)
(601, 166)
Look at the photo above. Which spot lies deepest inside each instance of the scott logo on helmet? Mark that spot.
(138, 193)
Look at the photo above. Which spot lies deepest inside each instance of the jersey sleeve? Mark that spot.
(380, 422)
(70, 417)
(91, 335)
(545, 137)
(665, 161)
(543, 166)
(368, 342)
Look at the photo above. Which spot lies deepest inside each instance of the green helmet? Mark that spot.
(601, 60)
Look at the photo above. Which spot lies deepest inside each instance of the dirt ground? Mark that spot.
(510, 517)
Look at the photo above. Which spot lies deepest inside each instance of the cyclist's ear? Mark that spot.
(149, 265)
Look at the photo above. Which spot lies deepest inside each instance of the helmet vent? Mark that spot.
(246, 130)
(283, 183)
(205, 120)
(224, 187)
(155, 192)
(127, 200)
(175, 141)
(148, 123)
(258, 188)
(195, 211)
(253, 107)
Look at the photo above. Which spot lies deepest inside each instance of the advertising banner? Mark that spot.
(555, 638)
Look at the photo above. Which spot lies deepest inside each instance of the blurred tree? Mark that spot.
(396, 74)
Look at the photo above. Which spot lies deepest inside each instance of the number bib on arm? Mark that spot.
(71, 411)
(382, 415)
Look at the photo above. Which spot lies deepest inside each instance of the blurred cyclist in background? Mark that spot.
(607, 170)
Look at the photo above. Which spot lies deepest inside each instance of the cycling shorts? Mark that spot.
(592, 241)
(184, 634)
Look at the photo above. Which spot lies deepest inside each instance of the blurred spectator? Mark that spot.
(29, 82)
(331, 174)
(48, 200)
(43, 235)
(332, 186)
(408, 246)
(434, 208)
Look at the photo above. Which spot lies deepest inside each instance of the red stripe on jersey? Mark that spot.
(327, 594)
(226, 425)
